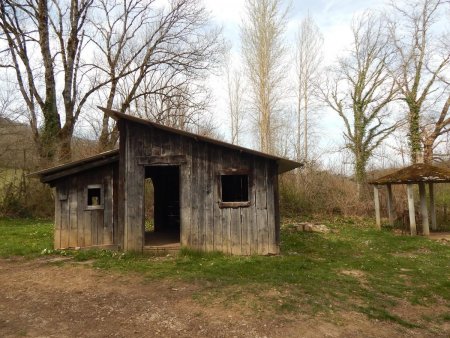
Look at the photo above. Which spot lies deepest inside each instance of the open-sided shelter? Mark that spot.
(208, 194)
(419, 174)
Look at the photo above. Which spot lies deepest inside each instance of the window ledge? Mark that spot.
(234, 204)
(94, 207)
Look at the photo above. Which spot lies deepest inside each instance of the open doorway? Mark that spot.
(162, 206)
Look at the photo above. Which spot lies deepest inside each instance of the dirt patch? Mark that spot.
(39, 298)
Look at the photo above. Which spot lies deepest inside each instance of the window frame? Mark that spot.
(86, 194)
(237, 172)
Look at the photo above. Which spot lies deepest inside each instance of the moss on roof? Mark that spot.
(415, 173)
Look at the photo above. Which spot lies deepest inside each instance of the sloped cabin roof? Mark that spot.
(53, 173)
(284, 164)
(70, 168)
(415, 173)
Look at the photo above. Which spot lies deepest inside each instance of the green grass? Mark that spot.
(354, 267)
(24, 237)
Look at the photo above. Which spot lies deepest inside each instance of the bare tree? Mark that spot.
(308, 60)
(264, 52)
(154, 57)
(360, 92)
(44, 42)
(421, 62)
(235, 93)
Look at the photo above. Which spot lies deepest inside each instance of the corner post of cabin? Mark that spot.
(412, 212)
(376, 199)
(424, 209)
(390, 204)
(432, 207)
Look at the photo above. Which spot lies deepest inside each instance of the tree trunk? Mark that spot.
(428, 151)
(65, 144)
(360, 175)
(52, 123)
(414, 134)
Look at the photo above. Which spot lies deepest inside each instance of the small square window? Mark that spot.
(234, 188)
(94, 197)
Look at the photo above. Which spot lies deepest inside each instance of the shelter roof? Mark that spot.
(415, 173)
(70, 168)
(284, 164)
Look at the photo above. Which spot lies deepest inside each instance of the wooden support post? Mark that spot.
(390, 204)
(377, 206)
(424, 209)
(412, 212)
(432, 207)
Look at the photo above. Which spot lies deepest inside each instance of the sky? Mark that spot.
(333, 17)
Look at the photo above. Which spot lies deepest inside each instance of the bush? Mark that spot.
(310, 191)
(21, 196)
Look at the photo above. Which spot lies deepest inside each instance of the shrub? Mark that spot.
(21, 196)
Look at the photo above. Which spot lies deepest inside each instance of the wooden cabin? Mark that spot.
(208, 195)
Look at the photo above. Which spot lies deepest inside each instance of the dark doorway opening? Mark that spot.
(162, 206)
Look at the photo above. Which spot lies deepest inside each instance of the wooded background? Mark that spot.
(59, 59)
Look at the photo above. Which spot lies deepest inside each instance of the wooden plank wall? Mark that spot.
(204, 225)
(75, 225)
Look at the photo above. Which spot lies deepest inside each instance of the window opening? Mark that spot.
(94, 196)
(234, 188)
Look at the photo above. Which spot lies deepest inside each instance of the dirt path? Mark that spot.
(41, 299)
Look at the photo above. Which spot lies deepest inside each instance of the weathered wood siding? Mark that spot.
(204, 224)
(75, 224)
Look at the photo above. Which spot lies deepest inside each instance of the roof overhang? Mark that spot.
(63, 170)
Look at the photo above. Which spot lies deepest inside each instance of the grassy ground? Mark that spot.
(24, 237)
(352, 268)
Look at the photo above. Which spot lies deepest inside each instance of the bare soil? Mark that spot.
(39, 298)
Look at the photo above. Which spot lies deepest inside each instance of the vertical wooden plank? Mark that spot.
(99, 220)
(376, 199)
(218, 235)
(277, 210)
(235, 231)
(57, 234)
(65, 225)
(116, 236)
(87, 227)
(73, 223)
(235, 223)
(412, 212)
(134, 190)
(185, 194)
(252, 222)
(271, 227)
(121, 190)
(390, 204)
(194, 200)
(226, 212)
(226, 230)
(209, 200)
(201, 195)
(156, 142)
(245, 245)
(432, 207)
(166, 142)
(261, 207)
(81, 204)
(94, 227)
(424, 209)
(108, 209)
(244, 212)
